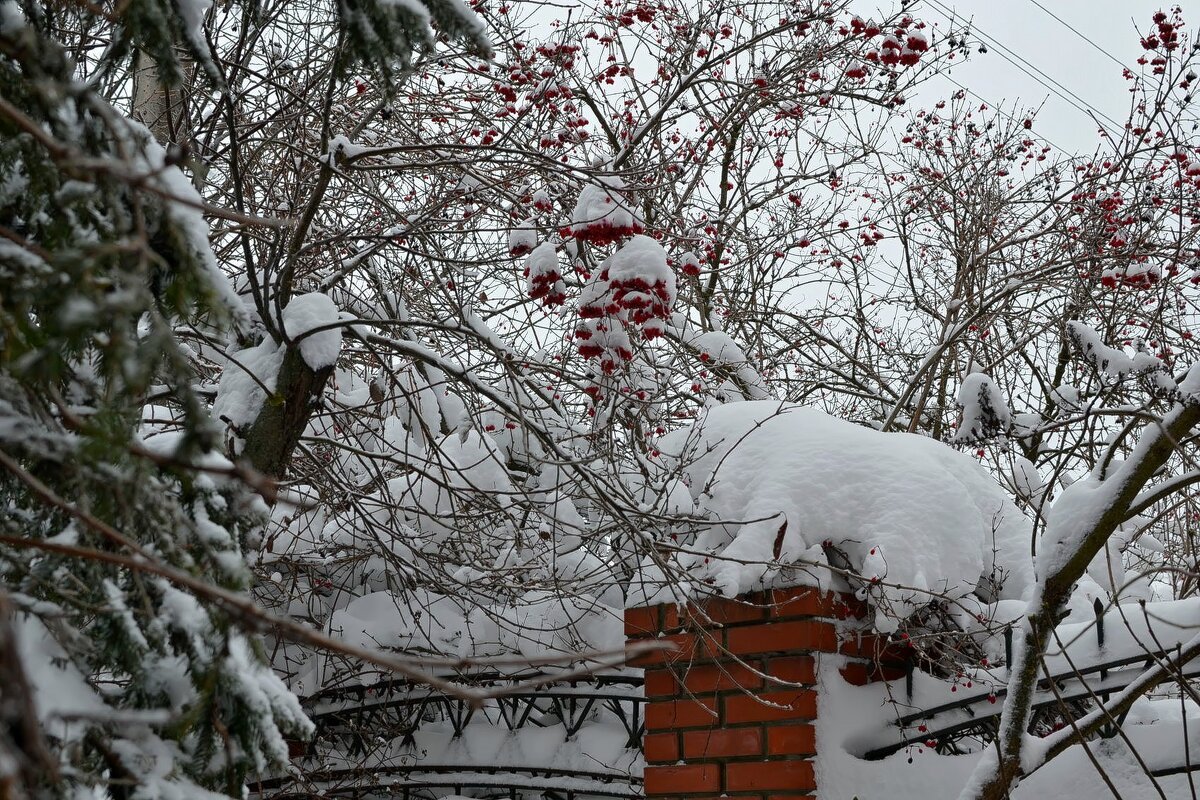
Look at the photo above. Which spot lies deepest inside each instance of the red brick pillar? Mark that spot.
(731, 711)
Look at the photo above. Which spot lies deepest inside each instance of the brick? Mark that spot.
(682, 647)
(793, 669)
(702, 679)
(749, 776)
(723, 743)
(889, 672)
(642, 622)
(856, 673)
(670, 714)
(878, 649)
(727, 612)
(683, 779)
(661, 747)
(803, 601)
(808, 601)
(775, 637)
(860, 673)
(863, 645)
(670, 617)
(660, 683)
(791, 740)
(770, 706)
(850, 607)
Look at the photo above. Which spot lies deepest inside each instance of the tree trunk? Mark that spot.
(272, 437)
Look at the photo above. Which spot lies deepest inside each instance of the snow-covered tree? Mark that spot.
(129, 652)
(423, 319)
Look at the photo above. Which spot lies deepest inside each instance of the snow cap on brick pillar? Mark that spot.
(731, 710)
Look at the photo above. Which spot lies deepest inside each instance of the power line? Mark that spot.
(1078, 103)
(1075, 31)
(999, 110)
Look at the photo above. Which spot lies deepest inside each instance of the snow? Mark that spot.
(1130, 630)
(985, 411)
(1154, 728)
(341, 144)
(522, 238)
(266, 695)
(641, 262)
(60, 693)
(248, 376)
(11, 18)
(191, 13)
(719, 348)
(1073, 516)
(542, 278)
(544, 624)
(183, 205)
(1190, 385)
(1107, 360)
(906, 510)
(1027, 482)
(421, 621)
(303, 318)
(602, 212)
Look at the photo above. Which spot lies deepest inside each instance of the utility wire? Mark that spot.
(999, 109)
(1078, 103)
(1075, 31)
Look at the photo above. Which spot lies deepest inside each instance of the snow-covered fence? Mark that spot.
(732, 710)
(1094, 661)
(573, 740)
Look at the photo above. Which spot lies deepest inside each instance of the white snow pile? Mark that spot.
(61, 695)
(305, 319)
(640, 261)
(250, 375)
(777, 482)
(522, 239)
(183, 205)
(416, 621)
(719, 348)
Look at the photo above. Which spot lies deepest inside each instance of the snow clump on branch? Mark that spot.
(985, 413)
(306, 318)
(603, 214)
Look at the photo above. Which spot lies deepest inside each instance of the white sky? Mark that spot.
(1024, 30)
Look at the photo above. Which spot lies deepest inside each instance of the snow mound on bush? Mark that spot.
(778, 482)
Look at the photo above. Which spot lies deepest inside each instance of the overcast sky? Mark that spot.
(1024, 30)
